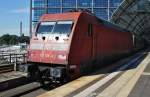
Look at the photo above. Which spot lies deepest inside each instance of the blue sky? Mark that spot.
(11, 13)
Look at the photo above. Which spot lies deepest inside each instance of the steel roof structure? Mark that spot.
(134, 15)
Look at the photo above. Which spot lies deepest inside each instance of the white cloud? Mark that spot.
(23, 10)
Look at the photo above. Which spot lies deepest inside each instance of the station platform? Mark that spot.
(130, 79)
(142, 87)
(11, 79)
(11, 75)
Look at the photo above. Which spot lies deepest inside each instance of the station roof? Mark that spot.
(134, 15)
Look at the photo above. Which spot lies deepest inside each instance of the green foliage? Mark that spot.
(24, 39)
(13, 39)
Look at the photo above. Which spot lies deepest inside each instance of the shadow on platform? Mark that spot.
(114, 67)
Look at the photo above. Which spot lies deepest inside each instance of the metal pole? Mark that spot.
(10, 59)
(46, 6)
(76, 4)
(23, 58)
(108, 9)
(61, 11)
(15, 65)
(92, 6)
(30, 32)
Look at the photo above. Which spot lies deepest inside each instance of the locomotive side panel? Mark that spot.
(111, 43)
(81, 46)
(105, 44)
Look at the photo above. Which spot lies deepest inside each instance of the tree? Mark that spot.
(13, 39)
(24, 39)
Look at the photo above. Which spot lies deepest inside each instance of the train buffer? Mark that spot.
(130, 79)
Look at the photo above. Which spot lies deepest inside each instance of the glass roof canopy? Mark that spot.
(134, 15)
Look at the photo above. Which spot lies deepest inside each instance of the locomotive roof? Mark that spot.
(111, 25)
(63, 16)
(75, 15)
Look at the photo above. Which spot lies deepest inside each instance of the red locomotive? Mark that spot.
(67, 45)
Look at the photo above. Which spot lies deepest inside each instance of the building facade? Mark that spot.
(102, 8)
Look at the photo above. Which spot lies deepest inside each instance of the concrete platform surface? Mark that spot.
(142, 87)
(11, 75)
(123, 82)
(124, 85)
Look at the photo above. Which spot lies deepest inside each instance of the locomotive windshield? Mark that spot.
(59, 27)
(63, 27)
(46, 27)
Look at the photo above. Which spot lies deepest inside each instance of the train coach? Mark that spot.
(68, 45)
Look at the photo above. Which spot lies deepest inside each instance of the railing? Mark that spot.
(12, 59)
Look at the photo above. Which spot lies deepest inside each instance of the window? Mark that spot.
(60, 27)
(115, 3)
(84, 3)
(39, 3)
(68, 9)
(101, 13)
(53, 10)
(90, 30)
(46, 27)
(38, 13)
(69, 3)
(63, 27)
(54, 3)
(101, 3)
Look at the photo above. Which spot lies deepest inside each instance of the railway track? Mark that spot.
(6, 68)
(34, 89)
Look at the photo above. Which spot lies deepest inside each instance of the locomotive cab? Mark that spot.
(52, 38)
(55, 30)
(50, 45)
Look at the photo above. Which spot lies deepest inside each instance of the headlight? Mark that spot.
(62, 57)
(55, 72)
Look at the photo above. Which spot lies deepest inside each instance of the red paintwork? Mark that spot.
(105, 41)
(47, 56)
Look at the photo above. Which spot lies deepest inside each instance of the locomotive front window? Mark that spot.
(63, 27)
(45, 27)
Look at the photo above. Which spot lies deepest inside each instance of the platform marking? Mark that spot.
(145, 73)
(125, 91)
(92, 88)
(116, 86)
